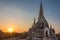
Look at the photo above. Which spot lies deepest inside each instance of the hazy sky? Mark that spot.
(19, 14)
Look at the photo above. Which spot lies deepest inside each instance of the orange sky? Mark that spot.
(22, 27)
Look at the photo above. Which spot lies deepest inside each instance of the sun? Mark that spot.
(10, 29)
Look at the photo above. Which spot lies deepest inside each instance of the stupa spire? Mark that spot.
(34, 20)
(41, 11)
(50, 26)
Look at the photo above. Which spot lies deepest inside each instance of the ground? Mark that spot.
(17, 38)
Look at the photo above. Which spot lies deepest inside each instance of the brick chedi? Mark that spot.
(40, 29)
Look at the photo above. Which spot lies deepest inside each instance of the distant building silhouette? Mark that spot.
(1, 34)
(41, 30)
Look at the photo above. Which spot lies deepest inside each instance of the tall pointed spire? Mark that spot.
(50, 26)
(34, 20)
(41, 11)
